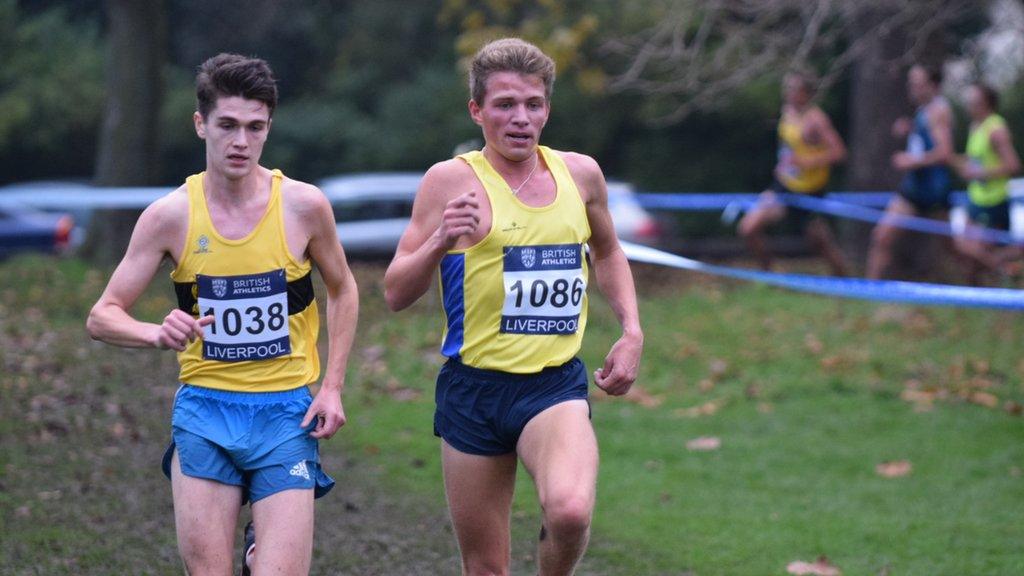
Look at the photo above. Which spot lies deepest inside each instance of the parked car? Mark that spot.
(373, 209)
(25, 229)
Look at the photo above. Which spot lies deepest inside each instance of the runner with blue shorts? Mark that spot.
(507, 228)
(245, 426)
(926, 183)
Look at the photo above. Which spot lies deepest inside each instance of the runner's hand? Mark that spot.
(461, 216)
(904, 161)
(328, 411)
(620, 368)
(901, 127)
(179, 328)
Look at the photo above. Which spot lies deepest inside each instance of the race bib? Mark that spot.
(544, 289)
(250, 316)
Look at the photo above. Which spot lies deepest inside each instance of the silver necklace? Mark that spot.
(515, 191)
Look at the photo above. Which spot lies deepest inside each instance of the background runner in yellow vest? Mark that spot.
(508, 229)
(808, 147)
(242, 240)
(989, 161)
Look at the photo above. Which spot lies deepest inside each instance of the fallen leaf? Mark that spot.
(819, 567)
(813, 345)
(894, 468)
(980, 366)
(705, 409)
(704, 444)
(639, 395)
(1013, 407)
(833, 362)
(984, 399)
(706, 385)
(718, 368)
(765, 407)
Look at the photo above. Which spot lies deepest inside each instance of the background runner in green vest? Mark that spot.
(990, 160)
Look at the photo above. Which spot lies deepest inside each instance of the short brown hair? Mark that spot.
(989, 94)
(234, 75)
(509, 55)
(808, 81)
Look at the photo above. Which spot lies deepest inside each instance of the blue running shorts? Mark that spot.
(247, 439)
(483, 412)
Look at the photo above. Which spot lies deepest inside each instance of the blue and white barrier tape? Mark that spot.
(916, 223)
(859, 288)
(852, 205)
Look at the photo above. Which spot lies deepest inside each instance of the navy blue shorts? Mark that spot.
(483, 412)
(800, 217)
(925, 193)
(997, 217)
(248, 439)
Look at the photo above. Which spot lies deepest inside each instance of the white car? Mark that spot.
(373, 209)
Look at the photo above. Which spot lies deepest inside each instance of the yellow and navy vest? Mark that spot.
(263, 338)
(792, 143)
(980, 151)
(517, 300)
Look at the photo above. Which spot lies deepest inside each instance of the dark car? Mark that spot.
(24, 229)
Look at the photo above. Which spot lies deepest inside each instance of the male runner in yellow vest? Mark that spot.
(808, 147)
(242, 239)
(508, 227)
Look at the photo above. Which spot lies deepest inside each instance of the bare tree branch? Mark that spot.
(697, 53)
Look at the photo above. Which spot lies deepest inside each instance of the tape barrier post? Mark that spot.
(1017, 209)
(857, 288)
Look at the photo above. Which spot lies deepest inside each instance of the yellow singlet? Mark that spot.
(516, 301)
(792, 143)
(264, 335)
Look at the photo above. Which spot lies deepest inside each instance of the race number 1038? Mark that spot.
(250, 316)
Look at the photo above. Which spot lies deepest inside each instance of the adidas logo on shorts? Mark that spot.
(300, 470)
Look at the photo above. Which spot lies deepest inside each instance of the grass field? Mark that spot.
(805, 396)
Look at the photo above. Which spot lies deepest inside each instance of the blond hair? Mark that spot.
(509, 55)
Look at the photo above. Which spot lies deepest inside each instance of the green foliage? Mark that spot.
(51, 93)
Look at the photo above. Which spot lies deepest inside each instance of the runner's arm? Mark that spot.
(342, 312)
(433, 230)
(342, 293)
(614, 278)
(110, 321)
(1009, 161)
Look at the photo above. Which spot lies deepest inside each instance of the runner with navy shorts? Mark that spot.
(989, 161)
(507, 228)
(926, 182)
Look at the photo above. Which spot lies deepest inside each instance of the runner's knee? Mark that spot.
(202, 557)
(481, 566)
(883, 236)
(568, 515)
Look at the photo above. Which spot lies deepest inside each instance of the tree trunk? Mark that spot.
(129, 142)
(878, 98)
